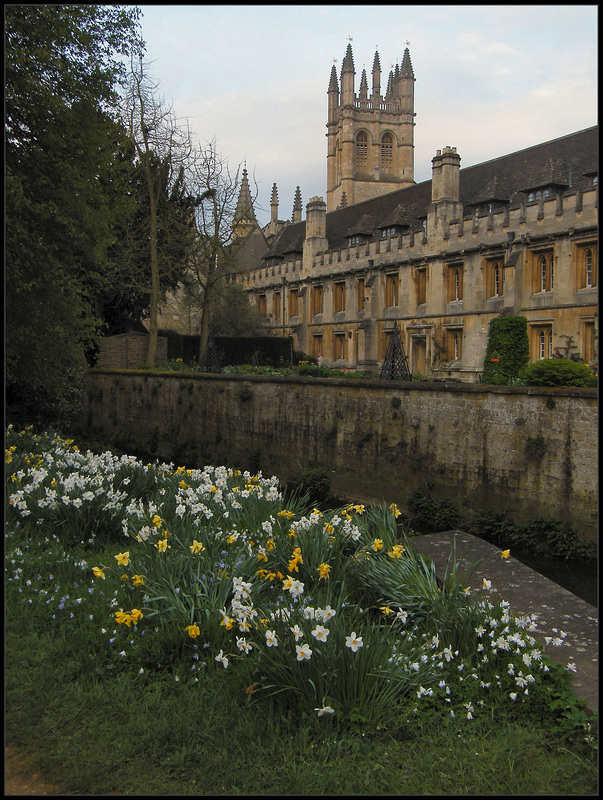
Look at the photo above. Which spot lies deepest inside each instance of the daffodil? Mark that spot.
(156, 520)
(297, 632)
(386, 610)
(304, 653)
(222, 659)
(395, 510)
(320, 633)
(324, 710)
(98, 572)
(196, 547)
(377, 545)
(324, 570)
(123, 559)
(162, 545)
(505, 553)
(396, 551)
(354, 642)
(271, 640)
(193, 631)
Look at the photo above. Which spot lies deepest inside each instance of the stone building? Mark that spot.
(439, 259)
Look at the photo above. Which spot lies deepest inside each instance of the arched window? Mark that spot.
(588, 257)
(362, 151)
(387, 153)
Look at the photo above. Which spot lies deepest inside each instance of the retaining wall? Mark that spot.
(527, 451)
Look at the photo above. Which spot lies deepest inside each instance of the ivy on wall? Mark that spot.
(507, 351)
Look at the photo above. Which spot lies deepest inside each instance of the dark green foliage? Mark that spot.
(430, 514)
(557, 372)
(508, 349)
(313, 482)
(545, 537)
(271, 351)
(63, 192)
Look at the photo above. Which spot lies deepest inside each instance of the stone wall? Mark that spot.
(530, 452)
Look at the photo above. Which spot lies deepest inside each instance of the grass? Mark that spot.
(101, 707)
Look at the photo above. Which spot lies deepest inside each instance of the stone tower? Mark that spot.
(370, 137)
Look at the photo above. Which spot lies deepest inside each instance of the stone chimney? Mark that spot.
(316, 229)
(445, 178)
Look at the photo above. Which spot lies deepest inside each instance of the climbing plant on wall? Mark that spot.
(507, 351)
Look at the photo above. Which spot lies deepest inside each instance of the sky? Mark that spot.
(489, 80)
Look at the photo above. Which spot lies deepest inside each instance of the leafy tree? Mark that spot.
(62, 73)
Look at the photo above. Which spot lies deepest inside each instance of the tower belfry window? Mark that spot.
(387, 151)
(362, 151)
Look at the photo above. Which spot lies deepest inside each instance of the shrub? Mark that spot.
(431, 514)
(557, 372)
(313, 482)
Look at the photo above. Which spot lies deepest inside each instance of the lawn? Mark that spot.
(183, 631)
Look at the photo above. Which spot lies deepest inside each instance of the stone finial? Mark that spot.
(348, 61)
(333, 83)
(406, 68)
(297, 206)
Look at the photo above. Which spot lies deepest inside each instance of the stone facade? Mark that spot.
(515, 235)
(530, 452)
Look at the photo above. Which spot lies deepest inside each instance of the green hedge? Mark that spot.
(507, 351)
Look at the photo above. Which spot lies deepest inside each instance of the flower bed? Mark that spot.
(188, 570)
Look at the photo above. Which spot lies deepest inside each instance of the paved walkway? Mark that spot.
(528, 592)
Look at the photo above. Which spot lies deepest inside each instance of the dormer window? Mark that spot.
(388, 233)
(354, 240)
(540, 194)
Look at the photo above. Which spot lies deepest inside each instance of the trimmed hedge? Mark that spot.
(507, 351)
(558, 372)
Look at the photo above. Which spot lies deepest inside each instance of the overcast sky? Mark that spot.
(490, 80)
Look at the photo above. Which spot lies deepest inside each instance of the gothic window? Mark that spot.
(276, 305)
(541, 342)
(587, 266)
(317, 300)
(494, 278)
(588, 341)
(387, 153)
(543, 272)
(339, 296)
(360, 294)
(388, 233)
(316, 345)
(454, 281)
(339, 346)
(293, 300)
(362, 151)
(391, 291)
(454, 344)
(421, 285)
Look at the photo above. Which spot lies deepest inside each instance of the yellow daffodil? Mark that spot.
(285, 513)
(287, 583)
(196, 547)
(505, 554)
(98, 572)
(138, 580)
(135, 615)
(395, 510)
(122, 617)
(183, 485)
(377, 545)
(386, 610)
(157, 520)
(123, 559)
(396, 551)
(193, 631)
(324, 570)
(162, 545)
(124, 577)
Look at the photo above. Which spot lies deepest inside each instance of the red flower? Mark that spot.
(495, 360)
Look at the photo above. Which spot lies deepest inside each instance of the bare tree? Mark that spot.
(164, 234)
(214, 260)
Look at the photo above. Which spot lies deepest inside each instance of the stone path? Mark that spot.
(528, 592)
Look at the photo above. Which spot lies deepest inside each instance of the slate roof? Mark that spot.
(565, 162)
